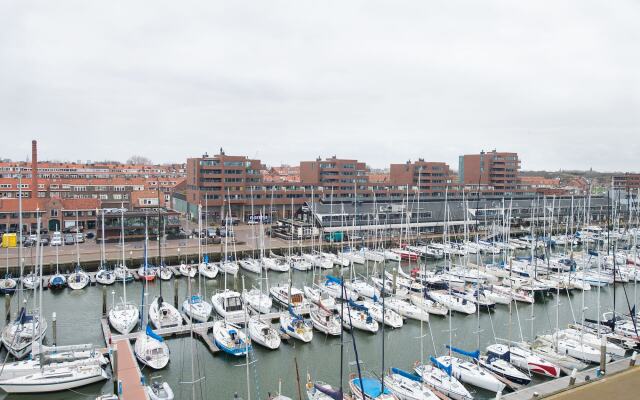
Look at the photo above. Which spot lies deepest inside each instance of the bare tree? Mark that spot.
(139, 160)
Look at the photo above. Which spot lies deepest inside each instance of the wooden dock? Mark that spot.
(129, 374)
(561, 384)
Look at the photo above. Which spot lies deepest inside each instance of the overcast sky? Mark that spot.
(556, 81)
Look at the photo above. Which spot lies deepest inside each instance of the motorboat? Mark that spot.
(159, 391)
(229, 304)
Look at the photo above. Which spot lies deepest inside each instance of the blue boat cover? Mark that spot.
(205, 258)
(593, 253)
(437, 363)
(195, 299)
(472, 354)
(372, 387)
(406, 374)
(331, 278)
(334, 394)
(154, 335)
(494, 356)
(294, 315)
(23, 317)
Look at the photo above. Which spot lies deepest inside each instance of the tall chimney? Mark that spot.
(34, 169)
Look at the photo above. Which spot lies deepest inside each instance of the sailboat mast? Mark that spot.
(20, 259)
(124, 264)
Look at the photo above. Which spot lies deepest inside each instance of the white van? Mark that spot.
(56, 239)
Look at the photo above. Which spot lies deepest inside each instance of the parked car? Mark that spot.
(90, 235)
(69, 239)
(80, 237)
(56, 239)
(44, 239)
(232, 221)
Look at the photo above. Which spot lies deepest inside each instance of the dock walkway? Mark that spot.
(557, 385)
(129, 373)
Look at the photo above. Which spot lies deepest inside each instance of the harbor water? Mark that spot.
(220, 376)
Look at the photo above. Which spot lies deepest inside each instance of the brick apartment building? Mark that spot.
(500, 170)
(432, 178)
(57, 214)
(628, 181)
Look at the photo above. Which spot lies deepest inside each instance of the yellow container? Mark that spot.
(9, 240)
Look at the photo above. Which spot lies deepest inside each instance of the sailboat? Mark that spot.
(230, 338)
(407, 386)
(382, 314)
(469, 372)
(150, 348)
(295, 326)
(78, 279)
(56, 379)
(205, 268)
(124, 316)
(440, 378)
(7, 284)
(355, 316)
(195, 306)
(255, 298)
(366, 388)
(51, 378)
(18, 335)
(104, 276)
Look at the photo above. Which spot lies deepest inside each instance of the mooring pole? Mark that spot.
(55, 329)
(114, 366)
(175, 293)
(7, 306)
(603, 355)
(104, 300)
